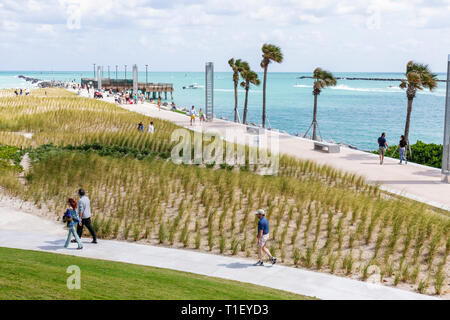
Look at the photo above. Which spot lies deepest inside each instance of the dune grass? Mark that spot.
(41, 276)
(321, 218)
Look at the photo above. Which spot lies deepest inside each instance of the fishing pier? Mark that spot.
(149, 89)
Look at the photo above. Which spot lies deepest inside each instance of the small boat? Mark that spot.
(191, 86)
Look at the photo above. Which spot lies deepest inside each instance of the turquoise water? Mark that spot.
(355, 112)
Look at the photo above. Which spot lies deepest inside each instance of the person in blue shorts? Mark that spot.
(263, 237)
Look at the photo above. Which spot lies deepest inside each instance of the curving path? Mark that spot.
(22, 230)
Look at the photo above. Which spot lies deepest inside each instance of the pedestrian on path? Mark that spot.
(72, 219)
(201, 115)
(192, 115)
(151, 127)
(84, 212)
(263, 237)
(141, 126)
(402, 149)
(383, 146)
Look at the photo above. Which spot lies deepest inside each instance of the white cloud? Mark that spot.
(182, 33)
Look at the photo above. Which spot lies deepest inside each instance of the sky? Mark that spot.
(181, 35)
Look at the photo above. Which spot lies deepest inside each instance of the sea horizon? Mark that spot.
(354, 112)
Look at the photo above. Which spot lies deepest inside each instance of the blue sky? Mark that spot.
(181, 35)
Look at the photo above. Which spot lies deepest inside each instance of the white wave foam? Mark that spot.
(302, 86)
(393, 89)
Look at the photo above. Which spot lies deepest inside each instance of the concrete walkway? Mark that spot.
(412, 181)
(22, 230)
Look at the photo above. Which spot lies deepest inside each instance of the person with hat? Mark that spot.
(84, 212)
(263, 236)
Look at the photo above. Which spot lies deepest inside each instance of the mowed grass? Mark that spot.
(38, 275)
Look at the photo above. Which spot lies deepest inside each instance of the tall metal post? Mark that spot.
(446, 146)
(109, 75)
(99, 78)
(209, 91)
(125, 72)
(94, 70)
(146, 75)
(135, 80)
(116, 70)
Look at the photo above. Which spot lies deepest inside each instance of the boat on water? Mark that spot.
(191, 86)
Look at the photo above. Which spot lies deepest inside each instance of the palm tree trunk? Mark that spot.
(408, 118)
(314, 136)
(244, 117)
(235, 101)
(264, 98)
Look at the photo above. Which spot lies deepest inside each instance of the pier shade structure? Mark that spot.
(446, 146)
(149, 89)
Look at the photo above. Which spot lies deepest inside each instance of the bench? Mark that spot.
(255, 130)
(331, 147)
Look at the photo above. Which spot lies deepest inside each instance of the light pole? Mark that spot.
(109, 75)
(446, 146)
(94, 70)
(125, 72)
(146, 75)
(116, 70)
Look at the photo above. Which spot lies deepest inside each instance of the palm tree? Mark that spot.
(237, 68)
(418, 77)
(250, 77)
(323, 79)
(270, 53)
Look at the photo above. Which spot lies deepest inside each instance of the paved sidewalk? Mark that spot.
(412, 181)
(22, 230)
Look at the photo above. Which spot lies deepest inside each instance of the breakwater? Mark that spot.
(43, 83)
(360, 78)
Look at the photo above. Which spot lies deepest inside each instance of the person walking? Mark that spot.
(402, 149)
(151, 127)
(72, 219)
(192, 115)
(201, 115)
(84, 211)
(263, 237)
(383, 146)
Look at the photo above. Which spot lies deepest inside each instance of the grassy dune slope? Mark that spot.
(320, 218)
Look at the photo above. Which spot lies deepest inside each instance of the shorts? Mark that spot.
(382, 150)
(262, 242)
(192, 117)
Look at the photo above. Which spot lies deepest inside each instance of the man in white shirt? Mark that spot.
(84, 212)
(151, 128)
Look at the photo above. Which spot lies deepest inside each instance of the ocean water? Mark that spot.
(354, 112)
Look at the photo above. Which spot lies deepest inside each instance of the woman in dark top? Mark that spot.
(402, 149)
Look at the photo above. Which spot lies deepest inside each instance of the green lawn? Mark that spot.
(38, 275)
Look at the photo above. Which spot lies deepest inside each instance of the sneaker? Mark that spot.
(274, 260)
(94, 241)
(73, 241)
(259, 263)
(79, 248)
